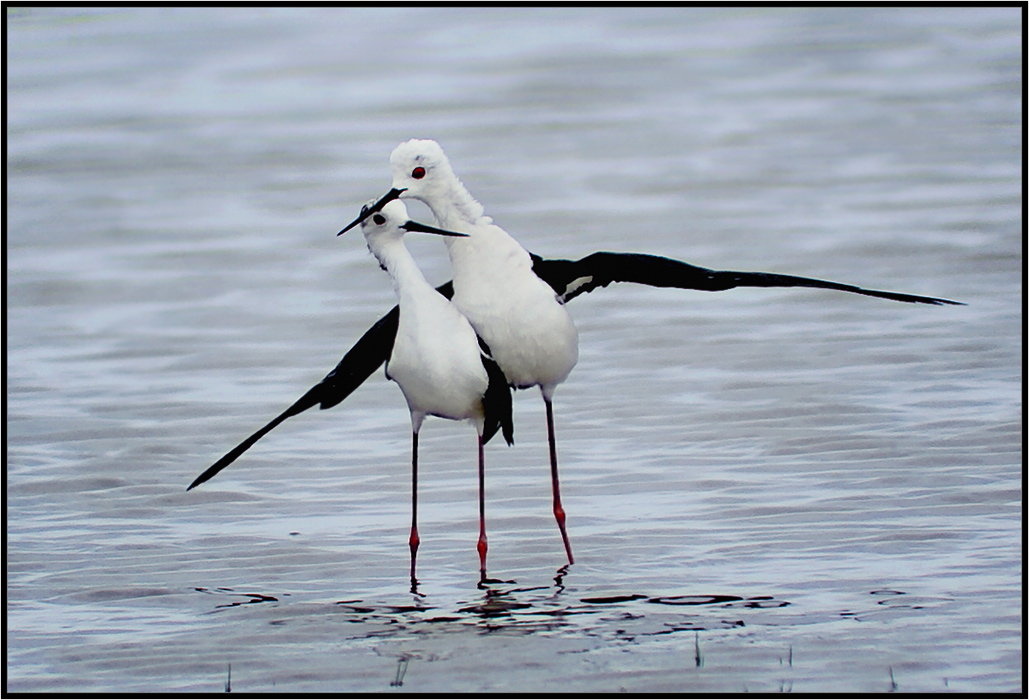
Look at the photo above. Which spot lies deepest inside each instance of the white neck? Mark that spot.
(394, 256)
(457, 206)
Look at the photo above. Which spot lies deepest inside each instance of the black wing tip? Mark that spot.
(497, 400)
(507, 429)
(915, 299)
(209, 472)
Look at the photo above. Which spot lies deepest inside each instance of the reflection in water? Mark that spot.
(250, 598)
(621, 617)
(484, 582)
(560, 578)
(496, 604)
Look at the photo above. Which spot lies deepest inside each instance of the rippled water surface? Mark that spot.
(767, 489)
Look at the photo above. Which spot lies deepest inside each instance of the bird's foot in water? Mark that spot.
(559, 579)
(414, 588)
(486, 582)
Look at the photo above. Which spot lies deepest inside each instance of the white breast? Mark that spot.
(531, 335)
(436, 361)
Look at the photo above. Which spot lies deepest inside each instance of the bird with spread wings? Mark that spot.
(569, 279)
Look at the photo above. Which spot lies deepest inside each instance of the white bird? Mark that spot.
(436, 359)
(524, 323)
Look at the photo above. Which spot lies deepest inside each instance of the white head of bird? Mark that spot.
(384, 230)
(390, 223)
(384, 225)
(422, 171)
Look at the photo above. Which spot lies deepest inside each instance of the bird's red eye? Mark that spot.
(379, 219)
(418, 173)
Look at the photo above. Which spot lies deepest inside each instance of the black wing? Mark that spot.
(570, 278)
(357, 365)
(497, 401)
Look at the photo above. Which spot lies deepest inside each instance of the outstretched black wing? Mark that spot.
(569, 279)
(357, 365)
(365, 357)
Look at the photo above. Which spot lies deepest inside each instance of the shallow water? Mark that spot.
(767, 489)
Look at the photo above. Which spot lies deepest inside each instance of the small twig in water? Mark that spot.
(401, 671)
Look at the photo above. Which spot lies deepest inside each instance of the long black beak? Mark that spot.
(366, 212)
(422, 228)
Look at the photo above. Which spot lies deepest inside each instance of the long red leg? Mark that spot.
(559, 511)
(482, 513)
(414, 541)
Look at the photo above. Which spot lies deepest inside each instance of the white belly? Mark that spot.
(534, 344)
(437, 364)
(531, 336)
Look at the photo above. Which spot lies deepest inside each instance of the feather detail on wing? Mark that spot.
(570, 278)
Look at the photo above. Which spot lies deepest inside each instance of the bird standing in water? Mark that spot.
(518, 314)
(515, 301)
(436, 359)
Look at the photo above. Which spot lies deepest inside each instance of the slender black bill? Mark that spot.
(368, 211)
(422, 228)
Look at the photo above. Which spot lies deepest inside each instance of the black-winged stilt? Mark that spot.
(436, 359)
(526, 326)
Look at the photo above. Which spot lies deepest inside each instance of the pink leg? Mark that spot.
(559, 511)
(414, 541)
(482, 514)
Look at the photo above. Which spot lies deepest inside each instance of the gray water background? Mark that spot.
(767, 489)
